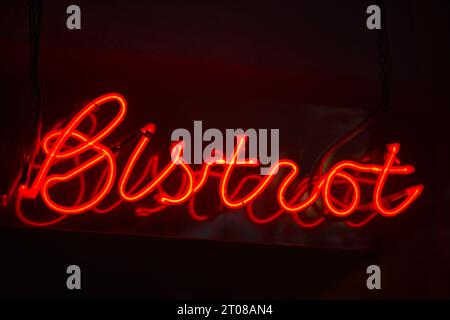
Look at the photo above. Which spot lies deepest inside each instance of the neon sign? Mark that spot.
(84, 151)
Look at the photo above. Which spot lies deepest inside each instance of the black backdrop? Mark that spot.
(266, 60)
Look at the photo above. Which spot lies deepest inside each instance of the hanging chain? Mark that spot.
(34, 20)
(35, 28)
(385, 82)
(383, 108)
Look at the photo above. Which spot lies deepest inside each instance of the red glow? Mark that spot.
(344, 174)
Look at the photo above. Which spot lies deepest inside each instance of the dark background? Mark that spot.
(308, 68)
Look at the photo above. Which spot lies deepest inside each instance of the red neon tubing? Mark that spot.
(344, 173)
